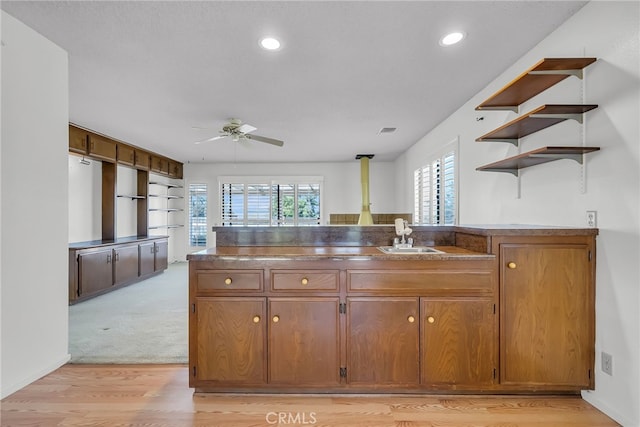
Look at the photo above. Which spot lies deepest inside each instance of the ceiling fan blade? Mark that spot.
(265, 139)
(211, 139)
(245, 128)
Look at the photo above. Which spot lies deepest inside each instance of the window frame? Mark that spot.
(270, 182)
(189, 216)
(437, 205)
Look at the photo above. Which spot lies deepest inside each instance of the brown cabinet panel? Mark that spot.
(78, 140)
(230, 280)
(546, 315)
(102, 148)
(161, 260)
(146, 253)
(95, 272)
(305, 280)
(125, 264)
(412, 280)
(175, 169)
(304, 341)
(230, 340)
(159, 165)
(126, 155)
(142, 159)
(458, 341)
(383, 336)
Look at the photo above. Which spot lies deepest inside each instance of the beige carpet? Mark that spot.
(146, 322)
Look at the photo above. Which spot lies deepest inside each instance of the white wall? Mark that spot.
(33, 278)
(552, 194)
(85, 200)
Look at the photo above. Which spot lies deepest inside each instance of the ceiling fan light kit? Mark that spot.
(238, 130)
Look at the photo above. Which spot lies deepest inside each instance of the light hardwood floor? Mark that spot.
(158, 395)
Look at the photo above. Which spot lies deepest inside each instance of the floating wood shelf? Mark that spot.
(512, 165)
(535, 120)
(536, 79)
(131, 196)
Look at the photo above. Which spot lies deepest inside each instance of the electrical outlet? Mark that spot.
(607, 363)
(592, 219)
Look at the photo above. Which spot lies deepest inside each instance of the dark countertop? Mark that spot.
(119, 241)
(329, 252)
(524, 230)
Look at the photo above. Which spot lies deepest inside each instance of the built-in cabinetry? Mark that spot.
(517, 317)
(547, 311)
(97, 267)
(336, 325)
(535, 80)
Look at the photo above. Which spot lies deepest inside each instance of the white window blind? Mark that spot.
(435, 191)
(274, 203)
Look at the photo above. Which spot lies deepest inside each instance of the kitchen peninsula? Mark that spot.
(500, 309)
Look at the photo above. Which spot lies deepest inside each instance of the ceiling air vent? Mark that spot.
(387, 130)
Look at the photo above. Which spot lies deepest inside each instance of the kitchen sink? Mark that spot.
(409, 250)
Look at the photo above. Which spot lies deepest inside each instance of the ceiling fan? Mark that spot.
(238, 130)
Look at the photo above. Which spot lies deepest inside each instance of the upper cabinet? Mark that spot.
(103, 148)
(535, 80)
(78, 140)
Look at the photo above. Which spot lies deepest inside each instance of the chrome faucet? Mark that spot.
(402, 230)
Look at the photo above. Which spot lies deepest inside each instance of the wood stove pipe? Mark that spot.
(365, 214)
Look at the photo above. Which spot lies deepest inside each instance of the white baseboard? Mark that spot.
(608, 410)
(12, 388)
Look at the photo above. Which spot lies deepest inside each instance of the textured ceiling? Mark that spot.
(162, 75)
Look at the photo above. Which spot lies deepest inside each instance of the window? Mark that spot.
(278, 202)
(198, 215)
(435, 191)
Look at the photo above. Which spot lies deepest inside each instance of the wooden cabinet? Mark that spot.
(383, 341)
(78, 139)
(231, 340)
(159, 165)
(125, 264)
(98, 266)
(304, 341)
(95, 273)
(547, 313)
(153, 257)
(126, 155)
(142, 159)
(458, 342)
(102, 148)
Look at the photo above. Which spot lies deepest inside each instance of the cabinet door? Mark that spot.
(95, 272)
(159, 165)
(230, 340)
(458, 341)
(102, 148)
(546, 319)
(162, 255)
(77, 140)
(125, 266)
(142, 160)
(304, 341)
(383, 341)
(126, 155)
(146, 253)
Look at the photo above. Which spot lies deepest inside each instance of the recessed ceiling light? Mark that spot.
(269, 43)
(452, 38)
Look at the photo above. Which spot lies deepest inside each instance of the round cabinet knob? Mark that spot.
(305, 281)
(430, 319)
(256, 319)
(511, 265)
(411, 319)
(227, 281)
(276, 319)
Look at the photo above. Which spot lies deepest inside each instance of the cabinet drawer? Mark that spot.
(325, 280)
(417, 280)
(231, 280)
